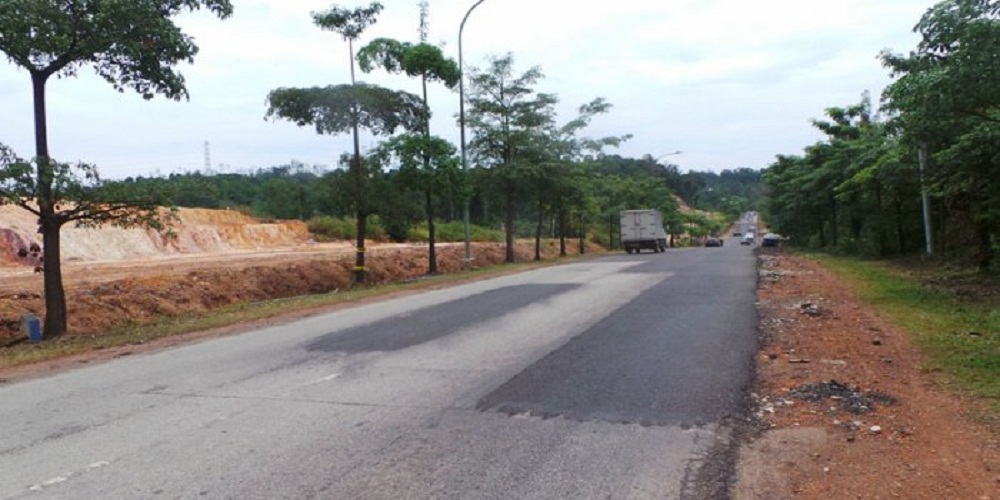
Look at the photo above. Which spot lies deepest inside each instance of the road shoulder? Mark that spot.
(844, 407)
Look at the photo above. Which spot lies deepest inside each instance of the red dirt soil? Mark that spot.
(922, 444)
(217, 257)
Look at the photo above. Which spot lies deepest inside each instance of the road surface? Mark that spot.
(618, 377)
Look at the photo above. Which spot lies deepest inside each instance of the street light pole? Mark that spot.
(461, 121)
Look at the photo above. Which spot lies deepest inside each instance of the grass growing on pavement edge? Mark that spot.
(959, 334)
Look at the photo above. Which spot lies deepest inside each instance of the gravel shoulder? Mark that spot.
(844, 407)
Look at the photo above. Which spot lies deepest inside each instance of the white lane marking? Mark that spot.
(324, 379)
(60, 479)
(50, 482)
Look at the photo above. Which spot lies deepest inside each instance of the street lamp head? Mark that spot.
(668, 154)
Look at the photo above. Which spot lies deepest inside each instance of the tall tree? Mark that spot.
(560, 178)
(429, 63)
(508, 118)
(337, 109)
(427, 164)
(948, 101)
(133, 45)
(350, 24)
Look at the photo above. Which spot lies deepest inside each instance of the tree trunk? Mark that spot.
(985, 251)
(583, 236)
(942, 227)
(55, 296)
(562, 233)
(538, 232)
(900, 231)
(431, 251)
(432, 267)
(361, 222)
(509, 226)
(834, 230)
(41, 127)
(611, 231)
(883, 238)
(361, 227)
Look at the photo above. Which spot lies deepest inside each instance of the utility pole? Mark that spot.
(922, 155)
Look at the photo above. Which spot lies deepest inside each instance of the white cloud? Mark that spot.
(731, 83)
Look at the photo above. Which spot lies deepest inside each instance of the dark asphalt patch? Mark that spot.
(425, 325)
(681, 353)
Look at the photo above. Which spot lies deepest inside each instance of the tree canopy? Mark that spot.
(133, 45)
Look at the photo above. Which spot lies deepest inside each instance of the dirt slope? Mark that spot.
(218, 257)
(197, 231)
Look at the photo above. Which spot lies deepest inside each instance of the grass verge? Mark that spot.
(960, 334)
(136, 334)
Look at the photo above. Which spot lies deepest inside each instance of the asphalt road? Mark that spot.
(618, 377)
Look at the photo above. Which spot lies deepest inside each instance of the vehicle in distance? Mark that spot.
(747, 239)
(714, 242)
(643, 229)
(770, 240)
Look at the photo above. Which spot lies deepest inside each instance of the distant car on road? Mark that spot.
(714, 242)
(748, 239)
(770, 240)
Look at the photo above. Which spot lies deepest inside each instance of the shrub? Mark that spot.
(327, 228)
(454, 231)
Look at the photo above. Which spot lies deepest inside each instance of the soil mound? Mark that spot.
(196, 231)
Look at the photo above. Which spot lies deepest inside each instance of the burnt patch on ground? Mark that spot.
(847, 397)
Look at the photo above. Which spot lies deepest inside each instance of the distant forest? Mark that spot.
(603, 187)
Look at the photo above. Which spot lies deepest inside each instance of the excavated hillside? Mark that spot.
(218, 257)
(197, 231)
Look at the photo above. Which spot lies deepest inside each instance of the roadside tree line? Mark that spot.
(923, 172)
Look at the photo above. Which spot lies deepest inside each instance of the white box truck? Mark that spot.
(643, 229)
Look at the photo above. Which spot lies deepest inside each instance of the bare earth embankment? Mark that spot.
(219, 257)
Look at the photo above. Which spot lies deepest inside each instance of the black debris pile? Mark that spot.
(848, 398)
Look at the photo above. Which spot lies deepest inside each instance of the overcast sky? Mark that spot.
(730, 83)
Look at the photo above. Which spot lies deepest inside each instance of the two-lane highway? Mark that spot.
(617, 377)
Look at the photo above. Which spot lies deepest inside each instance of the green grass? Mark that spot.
(959, 335)
(24, 353)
